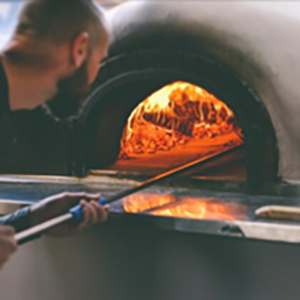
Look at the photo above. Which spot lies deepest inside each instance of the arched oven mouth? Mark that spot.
(124, 82)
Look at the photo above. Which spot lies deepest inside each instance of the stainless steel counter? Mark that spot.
(245, 224)
(153, 258)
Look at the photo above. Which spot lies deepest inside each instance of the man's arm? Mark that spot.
(47, 209)
(54, 206)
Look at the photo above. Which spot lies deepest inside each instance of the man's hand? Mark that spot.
(59, 204)
(8, 245)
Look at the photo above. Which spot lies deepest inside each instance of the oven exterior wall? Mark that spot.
(116, 263)
(256, 40)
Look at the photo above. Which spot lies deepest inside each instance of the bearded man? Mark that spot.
(54, 54)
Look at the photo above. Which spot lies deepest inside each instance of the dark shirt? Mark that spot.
(19, 220)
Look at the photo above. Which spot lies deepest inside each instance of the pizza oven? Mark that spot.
(153, 110)
(166, 98)
(184, 81)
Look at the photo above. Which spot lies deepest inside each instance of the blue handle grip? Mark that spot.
(77, 211)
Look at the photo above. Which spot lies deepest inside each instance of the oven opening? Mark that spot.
(179, 123)
(146, 115)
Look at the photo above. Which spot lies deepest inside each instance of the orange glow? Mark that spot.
(140, 203)
(185, 207)
(174, 116)
(203, 210)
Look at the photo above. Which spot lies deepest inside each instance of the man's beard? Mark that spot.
(71, 93)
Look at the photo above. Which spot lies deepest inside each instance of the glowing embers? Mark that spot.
(177, 115)
(184, 207)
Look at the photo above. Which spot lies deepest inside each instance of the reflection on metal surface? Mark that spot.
(197, 209)
(142, 202)
(184, 207)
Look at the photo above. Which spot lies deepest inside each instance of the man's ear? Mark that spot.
(79, 51)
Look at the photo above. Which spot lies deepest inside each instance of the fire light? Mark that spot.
(183, 207)
(175, 115)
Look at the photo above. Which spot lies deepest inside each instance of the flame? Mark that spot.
(184, 207)
(203, 210)
(173, 116)
(140, 203)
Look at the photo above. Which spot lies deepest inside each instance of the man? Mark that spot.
(54, 53)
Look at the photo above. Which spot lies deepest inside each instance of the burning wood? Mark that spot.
(173, 116)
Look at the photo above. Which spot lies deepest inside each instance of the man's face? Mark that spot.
(72, 90)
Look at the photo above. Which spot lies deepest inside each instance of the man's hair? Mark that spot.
(60, 21)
